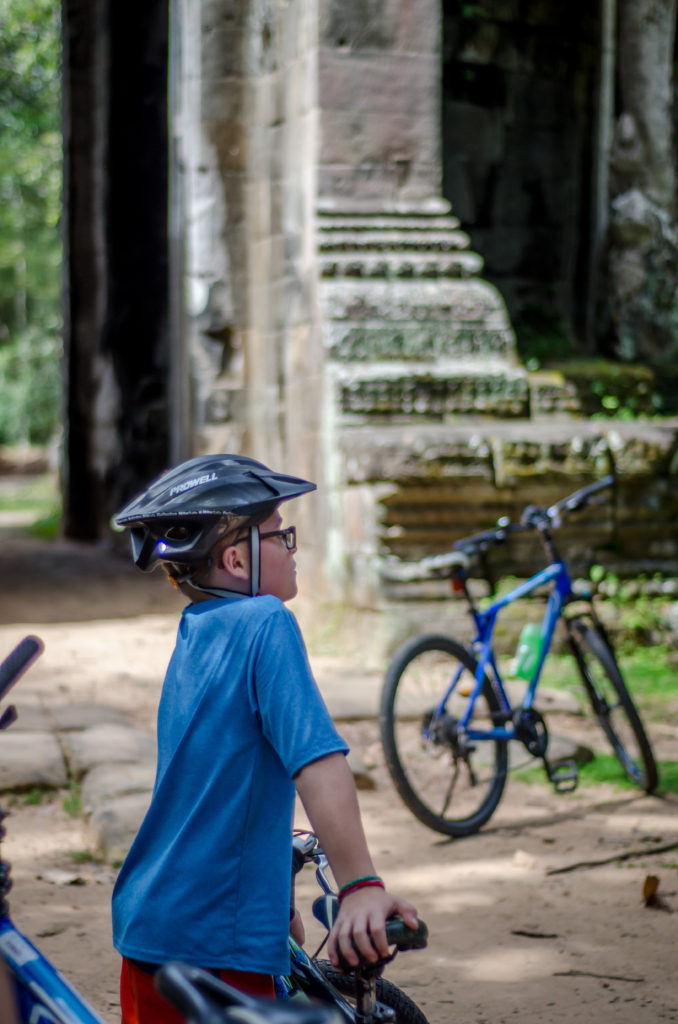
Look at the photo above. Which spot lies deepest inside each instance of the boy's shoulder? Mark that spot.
(255, 610)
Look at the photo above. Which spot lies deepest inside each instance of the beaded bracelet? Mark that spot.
(360, 883)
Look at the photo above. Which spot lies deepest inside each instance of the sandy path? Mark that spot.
(509, 941)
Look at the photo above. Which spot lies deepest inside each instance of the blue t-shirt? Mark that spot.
(208, 877)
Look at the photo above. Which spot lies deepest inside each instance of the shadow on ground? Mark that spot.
(65, 581)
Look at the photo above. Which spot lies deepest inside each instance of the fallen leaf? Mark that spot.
(55, 929)
(650, 886)
(651, 896)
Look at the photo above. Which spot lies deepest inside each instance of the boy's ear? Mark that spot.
(233, 561)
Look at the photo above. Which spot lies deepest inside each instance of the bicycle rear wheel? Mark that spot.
(450, 784)
(613, 706)
(406, 1011)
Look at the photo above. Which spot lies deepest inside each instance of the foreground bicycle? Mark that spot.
(445, 717)
(360, 996)
(42, 994)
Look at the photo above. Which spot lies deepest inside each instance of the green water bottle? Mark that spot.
(528, 651)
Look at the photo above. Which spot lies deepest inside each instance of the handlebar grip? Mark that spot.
(16, 663)
(400, 935)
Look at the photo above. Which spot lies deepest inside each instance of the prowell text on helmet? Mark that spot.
(189, 484)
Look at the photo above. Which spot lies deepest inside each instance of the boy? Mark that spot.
(240, 725)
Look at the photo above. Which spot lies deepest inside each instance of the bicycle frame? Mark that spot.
(485, 622)
(43, 994)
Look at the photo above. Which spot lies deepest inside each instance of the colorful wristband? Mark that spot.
(359, 883)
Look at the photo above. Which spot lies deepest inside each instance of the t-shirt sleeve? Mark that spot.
(284, 693)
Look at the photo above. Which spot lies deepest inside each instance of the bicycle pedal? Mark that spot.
(564, 776)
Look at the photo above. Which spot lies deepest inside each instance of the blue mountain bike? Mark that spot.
(446, 720)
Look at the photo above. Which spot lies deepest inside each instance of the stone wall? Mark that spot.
(413, 492)
(379, 94)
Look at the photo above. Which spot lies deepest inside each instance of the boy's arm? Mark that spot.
(328, 793)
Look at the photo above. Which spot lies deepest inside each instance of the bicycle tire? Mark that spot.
(449, 789)
(405, 1009)
(613, 706)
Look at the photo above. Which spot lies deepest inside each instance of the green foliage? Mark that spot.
(639, 606)
(30, 202)
(30, 387)
(606, 388)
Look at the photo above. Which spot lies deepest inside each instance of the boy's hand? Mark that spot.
(361, 925)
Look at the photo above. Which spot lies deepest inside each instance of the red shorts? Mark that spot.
(141, 1004)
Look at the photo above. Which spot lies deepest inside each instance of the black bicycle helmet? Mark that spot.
(182, 514)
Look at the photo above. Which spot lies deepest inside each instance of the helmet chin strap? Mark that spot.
(255, 561)
(255, 572)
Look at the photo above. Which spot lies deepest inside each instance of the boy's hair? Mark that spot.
(183, 576)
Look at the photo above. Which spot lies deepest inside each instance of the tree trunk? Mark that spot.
(115, 257)
(643, 243)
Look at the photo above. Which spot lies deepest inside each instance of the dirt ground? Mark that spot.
(517, 929)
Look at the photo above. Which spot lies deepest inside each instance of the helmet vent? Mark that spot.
(177, 533)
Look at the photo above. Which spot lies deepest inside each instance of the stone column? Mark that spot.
(245, 124)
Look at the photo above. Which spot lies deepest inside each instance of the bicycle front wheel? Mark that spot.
(406, 1011)
(451, 784)
(613, 706)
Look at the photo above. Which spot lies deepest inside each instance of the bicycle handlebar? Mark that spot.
(479, 542)
(579, 498)
(202, 998)
(17, 661)
(537, 518)
(14, 665)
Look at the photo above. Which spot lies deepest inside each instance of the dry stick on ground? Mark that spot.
(627, 855)
(592, 974)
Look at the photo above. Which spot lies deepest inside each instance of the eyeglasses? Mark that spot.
(289, 536)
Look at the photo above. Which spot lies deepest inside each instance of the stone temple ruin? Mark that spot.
(326, 311)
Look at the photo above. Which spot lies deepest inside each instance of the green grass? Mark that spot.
(83, 857)
(668, 777)
(39, 493)
(649, 673)
(46, 527)
(36, 494)
(72, 801)
(604, 768)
